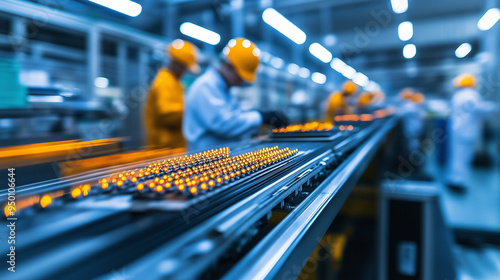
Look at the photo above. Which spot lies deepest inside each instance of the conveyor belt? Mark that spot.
(79, 239)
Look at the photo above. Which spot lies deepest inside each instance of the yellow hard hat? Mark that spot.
(464, 81)
(243, 55)
(406, 94)
(349, 88)
(418, 98)
(365, 99)
(185, 53)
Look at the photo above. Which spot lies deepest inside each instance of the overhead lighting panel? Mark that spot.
(348, 72)
(399, 6)
(284, 26)
(409, 51)
(320, 52)
(127, 7)
(293, 69)
(361, 79)
(337, 64)
(463, 50)
(277, 62)
(489, 19)
(304, 73)
(200, 33)
(405, 31)
(318, 78)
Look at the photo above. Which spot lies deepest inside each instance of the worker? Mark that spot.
(406, 94)
(412, 118)
(165, 103)
(364, 102)
(339, 103)
(212, 116)
(466, 121)
(378, 99)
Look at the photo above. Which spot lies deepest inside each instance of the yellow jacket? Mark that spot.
(336, 105)
(163, 113)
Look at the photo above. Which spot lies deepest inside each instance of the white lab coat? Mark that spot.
(464, 130)
(213, 117)
(413, 123)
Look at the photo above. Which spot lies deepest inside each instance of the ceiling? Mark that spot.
(439, 27)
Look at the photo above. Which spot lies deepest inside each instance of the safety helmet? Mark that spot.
(185, 53)
(406, 94)
(365, 99)
(349, 88)
(465, 81)
(418, 98)
(243, 55)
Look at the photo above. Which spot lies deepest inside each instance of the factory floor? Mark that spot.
(477, 210)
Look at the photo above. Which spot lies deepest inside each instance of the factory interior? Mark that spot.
(250, 139)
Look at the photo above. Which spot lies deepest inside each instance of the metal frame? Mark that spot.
(284, 251)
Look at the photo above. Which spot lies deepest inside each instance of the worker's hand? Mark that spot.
(274, 119)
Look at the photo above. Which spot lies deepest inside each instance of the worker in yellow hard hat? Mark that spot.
(339, 102)
(412, 112)
(468, 112)
(406, 94)
(418, 98)
(365, 100)
(165, 103)
(212, 116)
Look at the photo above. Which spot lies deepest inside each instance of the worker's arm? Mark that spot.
(220, 118)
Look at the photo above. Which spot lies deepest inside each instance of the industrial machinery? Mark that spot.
(198, 215)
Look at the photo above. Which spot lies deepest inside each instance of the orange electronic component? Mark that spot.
(159, 188)
(140, 186)
(181, 187)
(9, 210)
(86, 189)
(193, 190)
(312, 126)
(45, 201)
(151, 185)
(76, 192)
(119, 183)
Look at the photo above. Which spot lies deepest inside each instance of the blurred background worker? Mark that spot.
(339, 103)
(212, 116)
(164, 107)
(412, 117)
(468, 112)
(364, 102)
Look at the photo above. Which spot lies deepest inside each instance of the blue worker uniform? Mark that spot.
(213, 117)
